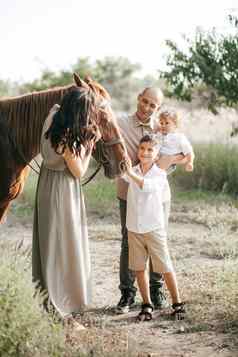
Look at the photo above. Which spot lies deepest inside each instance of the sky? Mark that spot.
(52, 34)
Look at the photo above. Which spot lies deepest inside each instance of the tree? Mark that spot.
(51, 79)
(209, 64)
(8, 88)
(117, 74)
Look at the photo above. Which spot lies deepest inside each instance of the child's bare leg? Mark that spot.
(177, 305)
(146, 308)
(143, 283)
(171, 283)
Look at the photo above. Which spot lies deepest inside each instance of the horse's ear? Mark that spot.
(88, 79)
(79, 82)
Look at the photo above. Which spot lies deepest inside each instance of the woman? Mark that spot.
(60, 253)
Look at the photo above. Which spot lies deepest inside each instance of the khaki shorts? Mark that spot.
(153, 245)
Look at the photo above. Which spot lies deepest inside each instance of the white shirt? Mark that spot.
(174, 143)
(144, 205)
(132, 131)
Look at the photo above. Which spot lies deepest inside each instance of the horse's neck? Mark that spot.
(26, 115)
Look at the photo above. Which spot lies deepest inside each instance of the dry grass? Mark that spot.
(202, 126)
(204, 247)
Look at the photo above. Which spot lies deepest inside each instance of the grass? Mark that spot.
(215, 170)
(210, 289)
(25, 329)
(23, 206)
(100, 195)
(212, 296)
(179, 194)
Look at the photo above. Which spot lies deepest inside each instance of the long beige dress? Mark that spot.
(60, 251)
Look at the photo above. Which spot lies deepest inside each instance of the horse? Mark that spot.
(21, 123)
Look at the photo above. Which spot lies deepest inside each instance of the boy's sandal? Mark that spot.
(146, 313)
(179, 310)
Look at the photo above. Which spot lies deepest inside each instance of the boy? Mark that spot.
(172, 141)
(146, 227)
(132, 128)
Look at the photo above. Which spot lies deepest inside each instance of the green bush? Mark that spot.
(215, 169)
(25, 329)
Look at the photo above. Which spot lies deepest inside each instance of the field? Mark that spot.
(203, 242)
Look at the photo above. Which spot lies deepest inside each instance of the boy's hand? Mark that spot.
(128, 165)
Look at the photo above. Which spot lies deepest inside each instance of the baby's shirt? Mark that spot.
(174, 143)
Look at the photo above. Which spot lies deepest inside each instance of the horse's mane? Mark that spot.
(25, 116)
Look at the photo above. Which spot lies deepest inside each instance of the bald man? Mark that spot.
(133, 127)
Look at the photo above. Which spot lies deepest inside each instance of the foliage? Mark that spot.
(25, 329)
(100, 196)
(8, 88)
(208, 64)
(117, 74)
(216, 169)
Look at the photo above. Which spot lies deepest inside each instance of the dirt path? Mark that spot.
(112, 333)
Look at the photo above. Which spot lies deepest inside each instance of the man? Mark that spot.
(133, 128)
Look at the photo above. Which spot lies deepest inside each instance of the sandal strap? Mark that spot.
(179, 306)
(145, 307)
(146, 312)
(179, 309)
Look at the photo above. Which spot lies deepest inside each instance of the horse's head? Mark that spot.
(110, 149)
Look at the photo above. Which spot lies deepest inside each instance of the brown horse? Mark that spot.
(21, 122)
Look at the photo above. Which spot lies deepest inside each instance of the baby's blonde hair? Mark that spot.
(171, 114)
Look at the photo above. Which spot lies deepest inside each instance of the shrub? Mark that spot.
(25, 329)
(216, 169)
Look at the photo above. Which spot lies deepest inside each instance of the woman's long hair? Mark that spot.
(70, 123)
